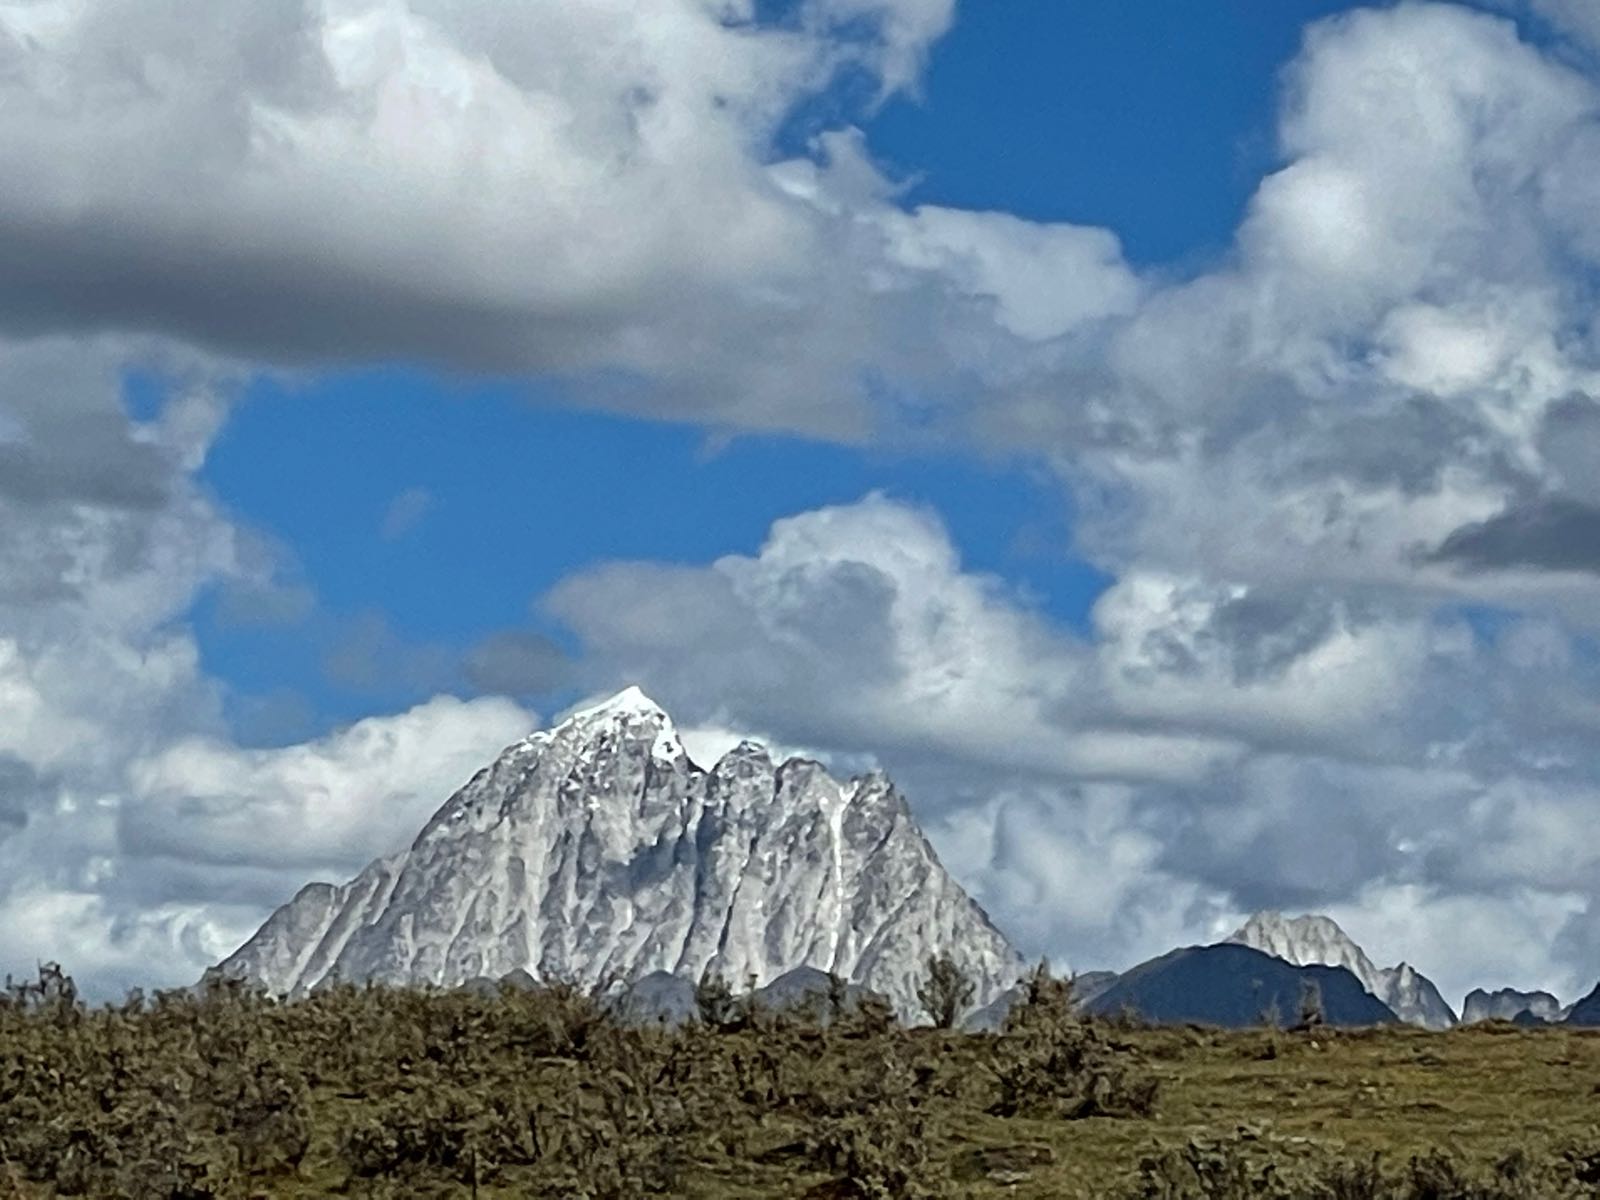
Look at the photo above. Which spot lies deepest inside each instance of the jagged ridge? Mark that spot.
(597, 851)
(1509, 1004)
(1313, 939)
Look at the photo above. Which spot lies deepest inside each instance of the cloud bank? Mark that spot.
(1343, 480)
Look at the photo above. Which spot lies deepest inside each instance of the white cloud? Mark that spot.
(1210, 750)
(1486, 941)
(1261, 666)
(136, 839)
(854, 628)
(1287, 696)
(571, 189)
(322, 808)
(1045, 280)
(1072, 875)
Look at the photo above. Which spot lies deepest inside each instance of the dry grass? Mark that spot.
(1477, 1094)
(389, 1093)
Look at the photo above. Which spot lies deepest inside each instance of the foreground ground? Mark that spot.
(368, 1092)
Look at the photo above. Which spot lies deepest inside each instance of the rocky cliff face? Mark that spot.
(597, 851)
(1508, 1004)
(1312, 939)
(1586, 1011)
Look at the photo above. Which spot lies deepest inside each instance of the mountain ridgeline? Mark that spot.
(1316, 940)
(1233, 986)
(598, 853)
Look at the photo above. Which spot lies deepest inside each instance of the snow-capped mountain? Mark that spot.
(1315, 939)
(1236, 986)
(598, 851)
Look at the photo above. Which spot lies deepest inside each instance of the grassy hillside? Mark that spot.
(405, 1093)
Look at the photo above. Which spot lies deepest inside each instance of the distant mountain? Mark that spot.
(1087, 986)
(1234, 986)
(801, 987)
(1508, 1004)
(597, 851)
(991, 1018)
(1313, 939)
(1586, 1011)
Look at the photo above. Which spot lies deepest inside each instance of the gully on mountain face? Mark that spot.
(597, 850)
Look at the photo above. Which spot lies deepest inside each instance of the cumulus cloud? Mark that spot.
(137, 841)
(1202, 752)
(99, 567)
(1343, 480)
(324, 808)
(573, 189)
(855, 628)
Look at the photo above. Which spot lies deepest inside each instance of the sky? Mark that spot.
(1164, 437)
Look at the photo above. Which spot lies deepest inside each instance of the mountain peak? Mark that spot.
(1311, 938)
(629, 709)
(1317, 939)
(629, 702)
(597, 850)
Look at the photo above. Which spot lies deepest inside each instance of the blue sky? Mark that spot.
(1163, 436)
(520, 492)
(1156, 122)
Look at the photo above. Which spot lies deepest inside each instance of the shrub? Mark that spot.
(1311, 1011)
(1049, 1061)
(876, 1136)
(946, 991)
(713, 1000)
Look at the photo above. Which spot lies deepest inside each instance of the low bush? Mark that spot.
(1050, 1061)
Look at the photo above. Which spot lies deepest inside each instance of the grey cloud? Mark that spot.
(1407, 444)
(1578, 941)
(516, 662)
(264, 602)
(64, 437)
(89, 465)
(1303, 842)
(1265, 633)
(21, 790)
(282, 305)
(1569, 441)
(239, 178)
(820, 636)
(368, 655)
(1547, 534)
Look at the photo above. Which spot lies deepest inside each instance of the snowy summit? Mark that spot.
(598, 850)
(1314, 939)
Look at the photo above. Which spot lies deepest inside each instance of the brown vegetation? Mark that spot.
(387, 1092)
